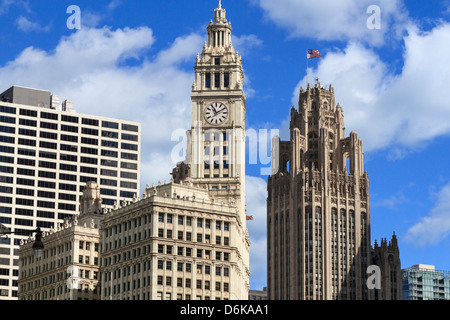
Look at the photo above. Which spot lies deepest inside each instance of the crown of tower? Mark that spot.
(220, 14)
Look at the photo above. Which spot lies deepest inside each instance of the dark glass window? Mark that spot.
(90, 122)
(7, 119)
(26, 112)
(6, 139)
(109, 124)
(216, 80)
(130, 156)
(27, 142)
(89, 141)
(47, 145)
(92, 132)
(49, 125)
(226, 79)
(208, 80)
(26, 152)
(49, 135)
(130, 137)
(46, 164)
(69, 128)
(129, 127)
(129, 146)
(48, 155)
(68, 157)
(8, 129)
(48, 115)
(6, 109)
(110, 134)
(89, 160)
(27, 132)
(25, 192)
(66, 118)
(89, 150)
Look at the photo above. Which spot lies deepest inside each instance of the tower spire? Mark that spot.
(219, 14)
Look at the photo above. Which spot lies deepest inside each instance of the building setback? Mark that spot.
(47, 154)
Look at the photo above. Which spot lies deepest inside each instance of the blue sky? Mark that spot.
(134, 60)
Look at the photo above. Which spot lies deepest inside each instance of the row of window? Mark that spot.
(185, 220)
(67, 118)
(68, 177)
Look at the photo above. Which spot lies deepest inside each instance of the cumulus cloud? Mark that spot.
(26, 25)
(400, 111)
(337, 20)
(90, 67)
(436, 226)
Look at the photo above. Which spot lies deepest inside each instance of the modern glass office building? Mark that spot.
(47, 154)
(423, 282)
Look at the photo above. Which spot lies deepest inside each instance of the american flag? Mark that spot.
(313, 54)
(249, 218)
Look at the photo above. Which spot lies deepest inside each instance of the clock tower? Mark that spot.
(216, 151)
(215, 156)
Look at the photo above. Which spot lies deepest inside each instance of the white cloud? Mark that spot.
(399, 111)
(26, 25)
(436, 226)
(256, 195)
(336, 20)
(89, 68)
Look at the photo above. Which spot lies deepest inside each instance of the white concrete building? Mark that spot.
(47, 154)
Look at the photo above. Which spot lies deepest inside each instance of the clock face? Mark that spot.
(216, 113)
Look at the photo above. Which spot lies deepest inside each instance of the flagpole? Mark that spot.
(306, 85)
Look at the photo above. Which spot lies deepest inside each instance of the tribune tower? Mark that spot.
(318, 206)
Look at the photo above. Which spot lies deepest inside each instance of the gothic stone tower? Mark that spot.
(318, 206)
(215, 157)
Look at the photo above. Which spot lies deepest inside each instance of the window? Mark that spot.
(226, 79)
(130, 137)
(66, 118)
(26, 132)
(108, 153)
(27, 122)
(89, 160)
(6, 139)
(92, 132)
(89, 150)
(216, 80)
(49, 125)
(48, 155)
(129, 156)
(108, 124)
(67, 157)
(128, 146)
(90, 122)
(127, 165)
(110, 134)
(69, 128)
(110, 144)
(89, 141)
(48, 115)
(208, 80)
(129, 127)
(5, 109)
(47, 145)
